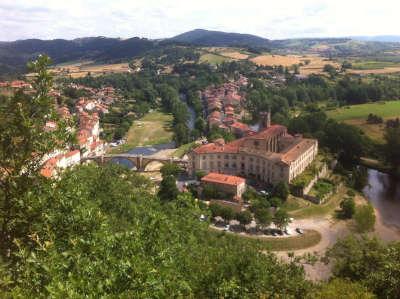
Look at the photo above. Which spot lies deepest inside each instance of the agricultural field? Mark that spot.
(213, 58)
(311, 63)
(235, 55)
(82, 68)
(376, 71)
(356, 115)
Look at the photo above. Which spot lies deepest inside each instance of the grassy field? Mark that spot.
(356, 115)
(213, 58)
(308, 239)
(153, 128)
(373, 65)
(313, 210)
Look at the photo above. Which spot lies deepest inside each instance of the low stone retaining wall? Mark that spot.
(323, 172)
(301, 192)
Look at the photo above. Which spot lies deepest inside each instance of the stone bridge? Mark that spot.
(139, 161)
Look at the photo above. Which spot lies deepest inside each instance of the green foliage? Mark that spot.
(281, 190)
(244, 217)
(170, 169)
(263, 217)
(365, 218)
(168, 190)
(368, 262)
(392, 148)
(24, 142)
(359, 178)
(348, 208)
(321, 188)
(281, 219)
(343, 289)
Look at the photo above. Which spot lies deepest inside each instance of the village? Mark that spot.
(83, 120)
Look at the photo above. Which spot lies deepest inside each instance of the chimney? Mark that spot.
(265, 119)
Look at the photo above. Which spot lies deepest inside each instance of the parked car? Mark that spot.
(288, 232)
(227, 227)
(273, 233)
(202, 217)
(300, 231)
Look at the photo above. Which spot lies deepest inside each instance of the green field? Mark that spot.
(213, 58)
(372, 65)
(153, 128)
(383, 109)
(356, 115)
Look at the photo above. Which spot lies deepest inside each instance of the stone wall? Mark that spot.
(321, 174)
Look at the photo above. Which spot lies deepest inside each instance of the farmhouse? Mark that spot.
(270, 156)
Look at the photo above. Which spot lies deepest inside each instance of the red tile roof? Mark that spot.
(223, 179)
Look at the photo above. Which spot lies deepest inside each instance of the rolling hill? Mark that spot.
(201, 37)
(14, 55)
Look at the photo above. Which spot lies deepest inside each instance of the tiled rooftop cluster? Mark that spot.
(224, 106)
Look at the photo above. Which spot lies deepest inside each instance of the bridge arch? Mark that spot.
(153, 165)
(126, 162)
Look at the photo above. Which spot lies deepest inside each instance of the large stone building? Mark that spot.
(271, 155)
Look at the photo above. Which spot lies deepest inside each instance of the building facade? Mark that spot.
(270, 156)
(231, 185)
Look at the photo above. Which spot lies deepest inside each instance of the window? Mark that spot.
(226, 165)
(256, 143)
(204, 157)
(219, 157)
(226, 157)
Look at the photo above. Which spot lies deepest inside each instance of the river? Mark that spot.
(383, 191)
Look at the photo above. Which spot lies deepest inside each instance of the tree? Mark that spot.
(200, 124)
(330, 69)
(346, 65)
(215, 209)
(281, 219)
(348, 208)
(263, 217)
(244, 217)
(392, 148)
(368, 261)
(227, 213)
(365, 218)
(170, 169)
(24, 142)
(359, 177)
(339, 288)
(281, 190)
(168, 190)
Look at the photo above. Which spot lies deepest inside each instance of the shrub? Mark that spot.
(365, 218)
(244, 217)
(348, 208)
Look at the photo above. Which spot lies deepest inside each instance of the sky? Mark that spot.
(68, 19)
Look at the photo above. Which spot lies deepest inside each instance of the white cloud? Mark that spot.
(163, 18)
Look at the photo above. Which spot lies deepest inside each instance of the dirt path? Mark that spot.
(332, 230)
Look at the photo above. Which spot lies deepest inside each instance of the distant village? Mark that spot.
(224, 106)
(87, 111)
